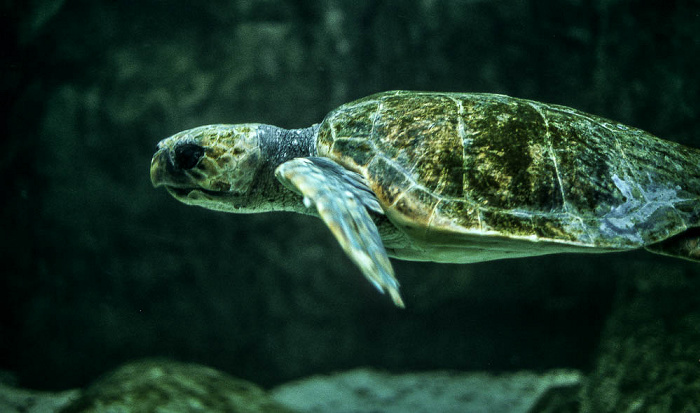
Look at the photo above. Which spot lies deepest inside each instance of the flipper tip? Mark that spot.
(396, 297)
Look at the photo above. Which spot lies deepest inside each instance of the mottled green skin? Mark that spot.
(450, 167)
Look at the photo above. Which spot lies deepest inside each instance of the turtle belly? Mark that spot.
(485, 248)
(447, 241)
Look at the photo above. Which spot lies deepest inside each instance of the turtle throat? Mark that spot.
(278, 145)
(281, 145)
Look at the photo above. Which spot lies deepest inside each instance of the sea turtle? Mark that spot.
(449, 177)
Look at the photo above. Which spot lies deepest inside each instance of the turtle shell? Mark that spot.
(458, 169)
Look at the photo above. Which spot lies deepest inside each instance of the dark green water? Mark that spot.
(98, 268)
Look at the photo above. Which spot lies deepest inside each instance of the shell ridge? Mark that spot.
(374, 122)
(333, 134)
(552, 155)
(567, 215)
(432, 216)
(466, 141)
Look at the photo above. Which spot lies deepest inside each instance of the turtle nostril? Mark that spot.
(187, 155)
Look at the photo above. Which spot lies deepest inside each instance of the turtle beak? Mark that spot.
(165, 173)
(159, 165)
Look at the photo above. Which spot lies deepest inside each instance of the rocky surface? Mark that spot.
(167, 386)
(363, 390)
(649, 356)
(17, 400)
(149, 386)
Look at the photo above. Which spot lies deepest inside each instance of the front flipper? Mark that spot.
(342, 198)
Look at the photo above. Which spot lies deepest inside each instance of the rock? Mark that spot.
(366, 390)
(648, 357)
(559, 399)
(15, 400)
(169, 386)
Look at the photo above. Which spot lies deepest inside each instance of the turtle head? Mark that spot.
(212, 166)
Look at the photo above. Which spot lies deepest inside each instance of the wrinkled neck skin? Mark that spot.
(277, 146)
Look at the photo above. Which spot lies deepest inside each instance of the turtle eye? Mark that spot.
(187, 155)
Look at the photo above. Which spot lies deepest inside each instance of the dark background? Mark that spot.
(98, 268)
